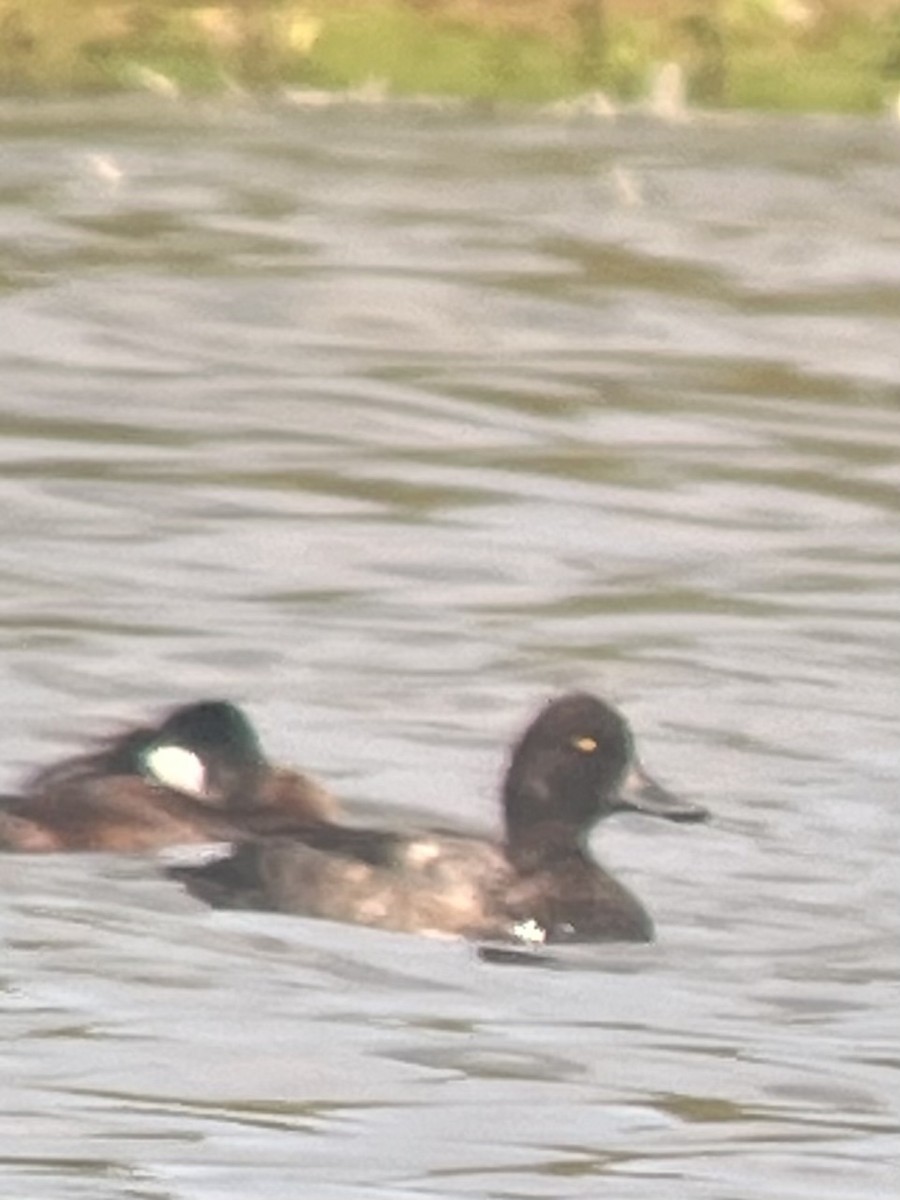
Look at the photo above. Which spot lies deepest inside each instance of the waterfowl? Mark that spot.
(198, 775)
(574, 765)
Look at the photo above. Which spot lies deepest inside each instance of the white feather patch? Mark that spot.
(198, 854)
(530, 932)
(177, 768)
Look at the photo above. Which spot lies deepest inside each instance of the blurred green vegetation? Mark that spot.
(841, 55)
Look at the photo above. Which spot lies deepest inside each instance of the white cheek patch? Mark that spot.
(176, 768)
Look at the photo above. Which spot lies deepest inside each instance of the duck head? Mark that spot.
(574, 765)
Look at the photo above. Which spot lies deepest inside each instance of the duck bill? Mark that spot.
(639, 792)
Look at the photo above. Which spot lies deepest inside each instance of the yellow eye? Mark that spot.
(586, 745)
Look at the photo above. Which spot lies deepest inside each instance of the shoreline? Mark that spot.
(839, 56)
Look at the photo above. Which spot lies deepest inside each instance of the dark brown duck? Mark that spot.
(574, 765)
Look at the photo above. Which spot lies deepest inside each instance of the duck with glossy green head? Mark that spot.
(198, 775)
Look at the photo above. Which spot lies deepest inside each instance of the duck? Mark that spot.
(197, 775)
(572, 767)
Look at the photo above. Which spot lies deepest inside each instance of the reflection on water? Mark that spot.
(389, 425)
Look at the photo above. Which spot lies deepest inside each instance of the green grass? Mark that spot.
(817, 82)
(734, 53)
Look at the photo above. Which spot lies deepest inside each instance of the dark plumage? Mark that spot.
(574, 765)
(198, 776)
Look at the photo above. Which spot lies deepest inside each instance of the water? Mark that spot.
(389, 423)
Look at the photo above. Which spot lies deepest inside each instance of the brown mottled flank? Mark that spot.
(574, 765)
(123, 813)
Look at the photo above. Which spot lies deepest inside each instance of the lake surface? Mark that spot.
(390, 422)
